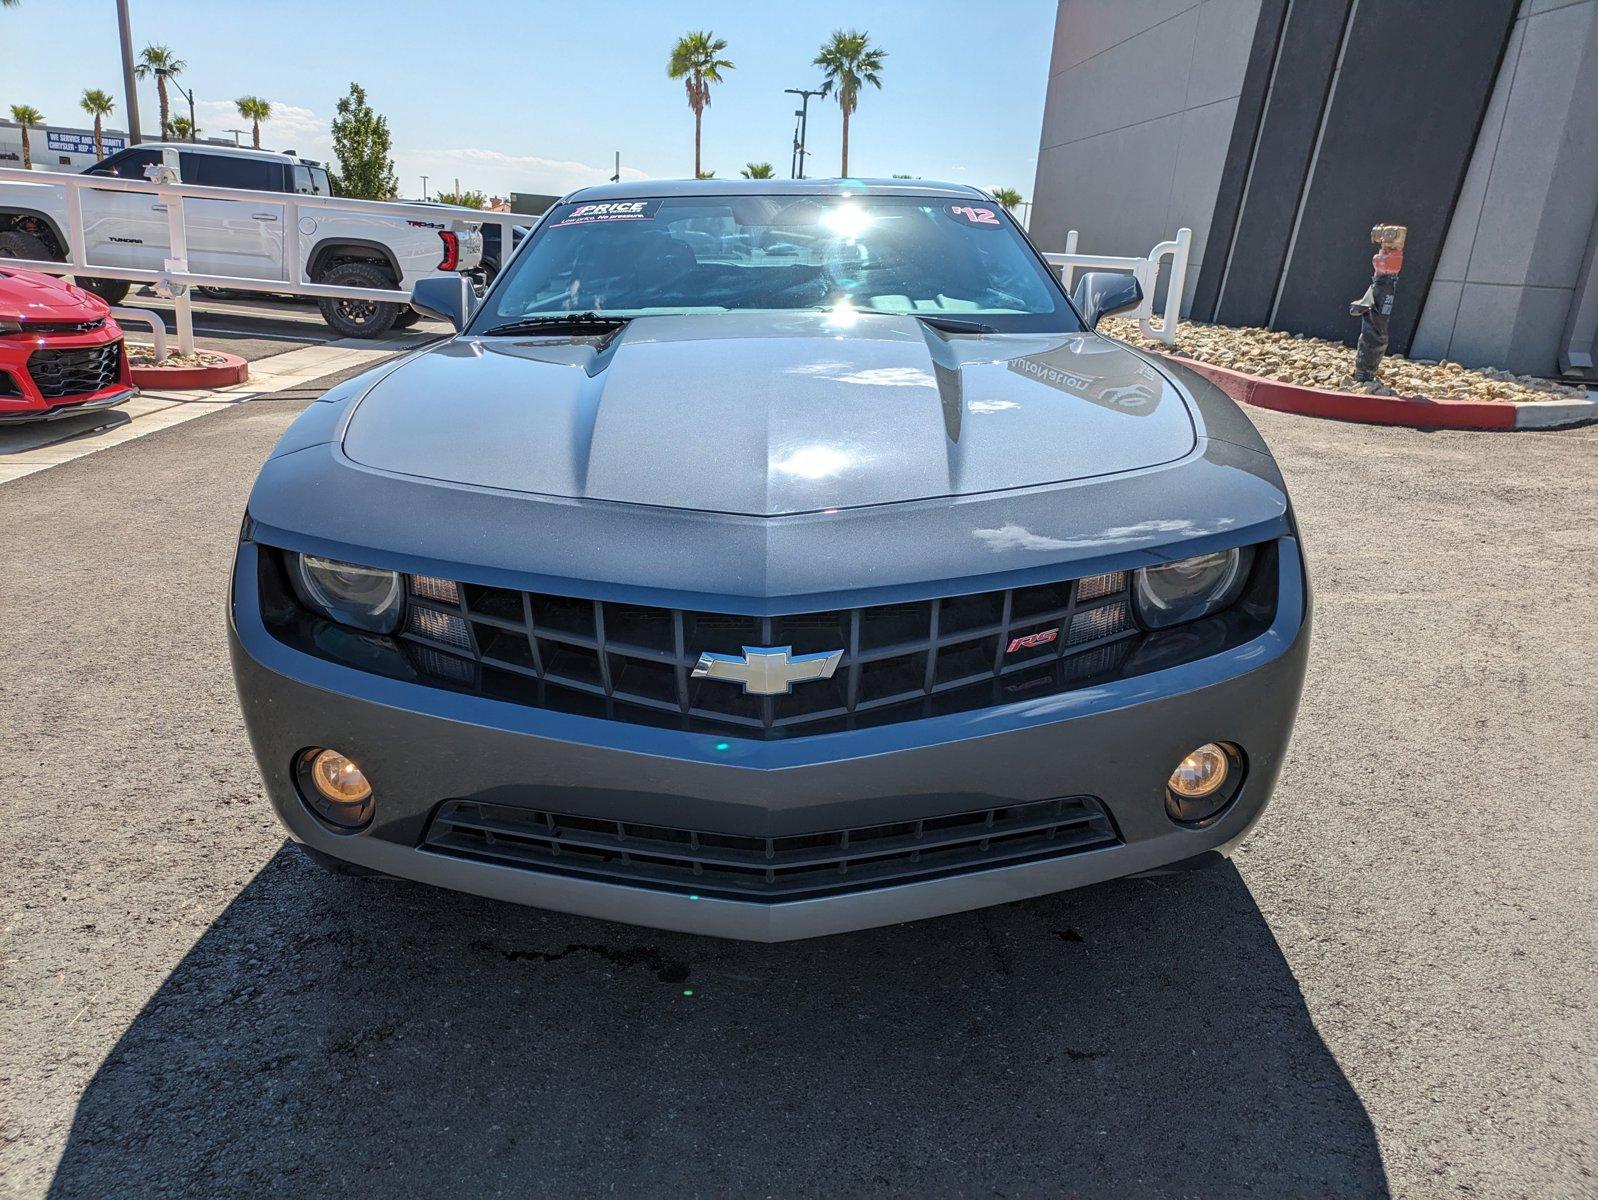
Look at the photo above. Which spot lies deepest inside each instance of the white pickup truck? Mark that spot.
(242, 238)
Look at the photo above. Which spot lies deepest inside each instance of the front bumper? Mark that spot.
(71, 407)
(1117, 742)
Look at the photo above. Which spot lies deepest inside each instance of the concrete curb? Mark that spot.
(184, 379)
(1421, 413)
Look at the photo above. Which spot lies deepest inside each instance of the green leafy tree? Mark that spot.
(466, 198)
(706, 175)
(756, 170)
(97, 104)
(364, 150)
(695, 60)
(1008, 197)
(254, 110)
(163, 64)
(25, 115)
(849, 61)
(183, 130)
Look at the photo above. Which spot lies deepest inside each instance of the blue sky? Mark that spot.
(527, 95)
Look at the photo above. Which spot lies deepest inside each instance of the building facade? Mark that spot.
(64, 147)
(1280, 131)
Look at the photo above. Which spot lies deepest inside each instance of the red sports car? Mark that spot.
(61, 352)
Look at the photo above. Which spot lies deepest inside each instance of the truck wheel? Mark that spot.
(112, 291)
(407, 317)
(358, 318)
(16, 244)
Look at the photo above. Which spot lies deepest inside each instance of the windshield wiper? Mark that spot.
(957, 325)
(583, 322)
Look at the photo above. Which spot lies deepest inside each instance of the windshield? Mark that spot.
(929, 256)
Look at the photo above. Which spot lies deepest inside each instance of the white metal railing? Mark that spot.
(144, 316)
(1147, 272)
(175, 279)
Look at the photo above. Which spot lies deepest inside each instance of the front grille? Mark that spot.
(32, 328)
(62, 373)
(794, 867)
(899, 662)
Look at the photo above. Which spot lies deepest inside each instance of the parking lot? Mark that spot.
(1390, 991)
(285, 341)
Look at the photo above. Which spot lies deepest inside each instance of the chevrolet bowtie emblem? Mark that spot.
(768, 670)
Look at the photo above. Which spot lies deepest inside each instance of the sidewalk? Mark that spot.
(25, 449)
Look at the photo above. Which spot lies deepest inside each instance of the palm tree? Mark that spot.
(1008, 197)
(254, 110)
(25, 115)
(848, 61)
(757, 171)
(160, 62)
(98, 105)
(183, 130)
(694, 60)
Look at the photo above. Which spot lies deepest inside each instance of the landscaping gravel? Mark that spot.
(1316, 362)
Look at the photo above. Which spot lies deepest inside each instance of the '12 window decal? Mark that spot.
(973, 214)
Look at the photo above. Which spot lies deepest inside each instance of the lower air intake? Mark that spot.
(768, 869)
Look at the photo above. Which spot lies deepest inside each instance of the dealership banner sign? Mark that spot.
(79, 143)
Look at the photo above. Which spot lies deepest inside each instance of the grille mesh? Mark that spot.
(768, 868)
(62, 373)
(635, 663)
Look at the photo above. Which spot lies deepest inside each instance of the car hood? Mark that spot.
(34, 297)
(770, 415)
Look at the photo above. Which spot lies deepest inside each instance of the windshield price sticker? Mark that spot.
(973, 214)
(609, 210)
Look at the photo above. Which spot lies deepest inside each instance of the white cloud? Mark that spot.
(291, 127)
(500, 173)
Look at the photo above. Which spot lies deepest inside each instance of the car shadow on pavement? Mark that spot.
(342, 1036)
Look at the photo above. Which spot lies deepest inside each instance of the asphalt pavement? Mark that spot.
(1390, 991)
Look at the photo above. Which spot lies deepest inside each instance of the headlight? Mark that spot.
(1190, 588)
(365, 597)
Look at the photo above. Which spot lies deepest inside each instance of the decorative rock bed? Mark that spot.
(1308, 375)
(181, 372)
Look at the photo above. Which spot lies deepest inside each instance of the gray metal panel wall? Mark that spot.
(1401, 120)
(1137, 121)
(1517, 284)
(1293, 106)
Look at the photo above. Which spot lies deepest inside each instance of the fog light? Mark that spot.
(1199, 774)
(335, 787)
(1203, 783)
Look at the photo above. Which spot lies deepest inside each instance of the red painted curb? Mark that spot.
(1354, 406)
(178, 379)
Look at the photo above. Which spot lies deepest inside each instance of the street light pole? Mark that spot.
(424, 187)
(130, 93)
(804, 126)
(163, 73)
(237, 133)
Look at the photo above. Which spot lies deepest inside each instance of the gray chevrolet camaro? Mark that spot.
(770, 560)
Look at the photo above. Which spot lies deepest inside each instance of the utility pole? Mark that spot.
(797, 171)
(131, 93)
(616, 178)
(424, 187)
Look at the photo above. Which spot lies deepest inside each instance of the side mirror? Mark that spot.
(447, 297)
(1100, 293)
